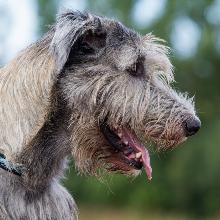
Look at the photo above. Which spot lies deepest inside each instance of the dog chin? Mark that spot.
(134, 173)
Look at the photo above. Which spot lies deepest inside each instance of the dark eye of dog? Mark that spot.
(85, 48)
(137, 69)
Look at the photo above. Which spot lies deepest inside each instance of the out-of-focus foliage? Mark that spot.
(187, 179)
(47, 13)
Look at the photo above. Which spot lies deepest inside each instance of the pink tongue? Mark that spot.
(140, 148)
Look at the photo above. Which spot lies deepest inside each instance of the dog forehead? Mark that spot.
(123, 44)
(120, 35)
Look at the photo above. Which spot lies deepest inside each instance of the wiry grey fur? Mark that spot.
(57, 92)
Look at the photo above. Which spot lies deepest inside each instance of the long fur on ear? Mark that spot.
(69, 27)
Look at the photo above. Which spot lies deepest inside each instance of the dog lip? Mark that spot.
(114, 140)
(111, 136)
(125, 142)
(137, 164)
(145, 157)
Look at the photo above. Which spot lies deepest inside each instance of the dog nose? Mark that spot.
(192, 125)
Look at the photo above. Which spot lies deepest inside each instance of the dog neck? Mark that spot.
(44, 157)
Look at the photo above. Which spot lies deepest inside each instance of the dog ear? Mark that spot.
(93, 40)
(72, 27)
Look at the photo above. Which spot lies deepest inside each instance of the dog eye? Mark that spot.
(85, 48)
(137, 69)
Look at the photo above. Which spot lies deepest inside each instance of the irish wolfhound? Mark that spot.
(91, 88)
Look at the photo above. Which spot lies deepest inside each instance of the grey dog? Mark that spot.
(93, 89)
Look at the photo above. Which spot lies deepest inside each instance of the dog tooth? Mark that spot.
(120, 134)
(138, 155)
(132, 156)
(126, 142)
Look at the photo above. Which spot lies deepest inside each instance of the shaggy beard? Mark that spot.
(153, 111)
(91, 151)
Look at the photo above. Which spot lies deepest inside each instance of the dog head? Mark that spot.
(118, 85)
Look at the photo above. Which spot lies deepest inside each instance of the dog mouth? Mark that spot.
(127, 148)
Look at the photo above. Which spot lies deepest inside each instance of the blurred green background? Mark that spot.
(186, 182)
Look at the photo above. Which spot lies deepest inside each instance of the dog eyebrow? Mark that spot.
(137, 68)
